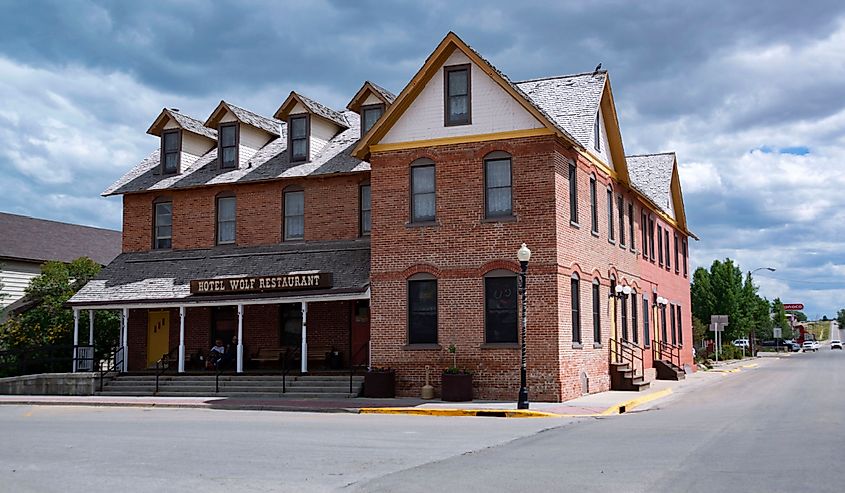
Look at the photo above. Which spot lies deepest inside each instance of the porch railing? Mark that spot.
(112, 363)
(163, 364)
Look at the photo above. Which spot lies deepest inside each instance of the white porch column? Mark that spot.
(90, 327)
(240, 366)
(181, 339)
(125, 342)
(304, 349)
(75, 335)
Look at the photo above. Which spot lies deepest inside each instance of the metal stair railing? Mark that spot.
(114, 363)
(290, 352)
(163, 364)
(667, 352)
(623, 351)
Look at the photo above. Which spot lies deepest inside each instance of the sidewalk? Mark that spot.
(592, 405)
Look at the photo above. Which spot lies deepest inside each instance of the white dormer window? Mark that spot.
(171, 149)
(369, 116)
(458, 95)
(597, 132)
(298, 137)
(228, 145)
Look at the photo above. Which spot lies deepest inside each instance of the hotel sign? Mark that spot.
(262, 284)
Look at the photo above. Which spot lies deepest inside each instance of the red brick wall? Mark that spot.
(331, 213)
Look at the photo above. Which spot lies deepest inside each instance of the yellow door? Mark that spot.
(158, 336)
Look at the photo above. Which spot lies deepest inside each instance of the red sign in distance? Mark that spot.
(790, 307)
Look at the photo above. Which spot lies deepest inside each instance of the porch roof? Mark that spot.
(164, 277)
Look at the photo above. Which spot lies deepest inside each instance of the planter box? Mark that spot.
(456, 387)
(380, 384)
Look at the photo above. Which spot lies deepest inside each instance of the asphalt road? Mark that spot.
(778, 427)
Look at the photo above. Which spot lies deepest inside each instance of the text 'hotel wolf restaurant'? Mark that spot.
(386, 236)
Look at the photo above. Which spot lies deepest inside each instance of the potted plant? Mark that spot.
(456, 383)
(380, 382)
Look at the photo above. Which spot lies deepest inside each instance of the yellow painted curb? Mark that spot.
(495, 413)
(719, 370)
(628, 405)
(752, 365)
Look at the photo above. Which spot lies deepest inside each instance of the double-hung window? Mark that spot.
(596, 312)
(576, 310)
(646, 315)
(422, 191)
(365, 220)
(680, 327)
(684, 253)
(624, 311)
(651, 237)
(171, 150)
(594, 206)
(644, 228)
(660, 244)
(294, 213)
(163, 226)
(631, 227)
(674, 327)
(226, 220)
(228, 134)
(677, 253)
(668, 252)
(573, 194)
(634, 318)
(611, 237)
(458, 95)
(298, 138)
(597, 132)
(422, 311)
(369, 116)
(500, 308)
(621, 207)
(498, 190)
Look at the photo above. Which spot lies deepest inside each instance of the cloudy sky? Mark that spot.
(751, 95)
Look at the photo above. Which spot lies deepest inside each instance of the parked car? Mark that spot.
(809, 346)
(816, 345)
(836, 344)
(794, 347)
(741, 343)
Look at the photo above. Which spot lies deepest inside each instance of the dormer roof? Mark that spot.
(185, 122)
(312, 107)
(656, 177)
(244, 116)
(370, 88)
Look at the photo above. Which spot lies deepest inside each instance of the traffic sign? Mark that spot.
(793, 306)
(777, 332)
(719, 319)
(717, 328)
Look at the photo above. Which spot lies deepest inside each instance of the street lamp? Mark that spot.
(523, 255)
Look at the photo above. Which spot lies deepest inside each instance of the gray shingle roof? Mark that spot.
(571, 101)
(387, 95)
(192, 124)
(323, 111)
(27, 238)
(269, 163)
(166, 275)
(651, 174)
(270, 125)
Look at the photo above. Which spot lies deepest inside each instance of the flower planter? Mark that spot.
(380, 384)
(456, 387)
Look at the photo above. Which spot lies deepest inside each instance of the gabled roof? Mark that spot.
(269, 125)
(30, 239)
(655, 176)
(313, 107)
(185, 122)
(447, 46)
(269, 163)
(368, 88)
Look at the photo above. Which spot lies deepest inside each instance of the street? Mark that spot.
(776, 427)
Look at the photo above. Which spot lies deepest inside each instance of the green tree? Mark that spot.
(50, 321)
(779, 319)
(800, 316)
(840, 317)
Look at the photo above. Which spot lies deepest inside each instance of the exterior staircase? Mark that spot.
(623, 377)
(666, 370)
(244, 386)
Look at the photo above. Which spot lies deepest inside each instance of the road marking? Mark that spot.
(628, 405)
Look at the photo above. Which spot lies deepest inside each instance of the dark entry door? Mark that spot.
(361, 333)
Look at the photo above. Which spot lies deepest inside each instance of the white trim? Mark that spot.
(303, 353)
(125, 322)
(181, 339)
(261, 301)
(90, 327)
(240, 364)
(75, 336)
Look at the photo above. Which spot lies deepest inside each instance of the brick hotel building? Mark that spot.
(388, 232)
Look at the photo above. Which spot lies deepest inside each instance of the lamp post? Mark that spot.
(523, 255)
(753, 332)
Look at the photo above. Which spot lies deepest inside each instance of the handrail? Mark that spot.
(627, 352)
(352, 367)
(114, 366)
(163, 364)
(289, 353)
(673, 352)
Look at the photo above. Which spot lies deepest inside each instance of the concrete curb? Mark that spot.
(490, 413)
(182, 405)
(633, 403)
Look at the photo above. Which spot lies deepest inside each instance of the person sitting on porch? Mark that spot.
(216, 355)
(230, 355)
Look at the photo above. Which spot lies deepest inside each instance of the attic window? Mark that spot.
(458, 95)
(369, 116)
(229, 146)
(298, 138)
(597, 132)
(171, 143)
